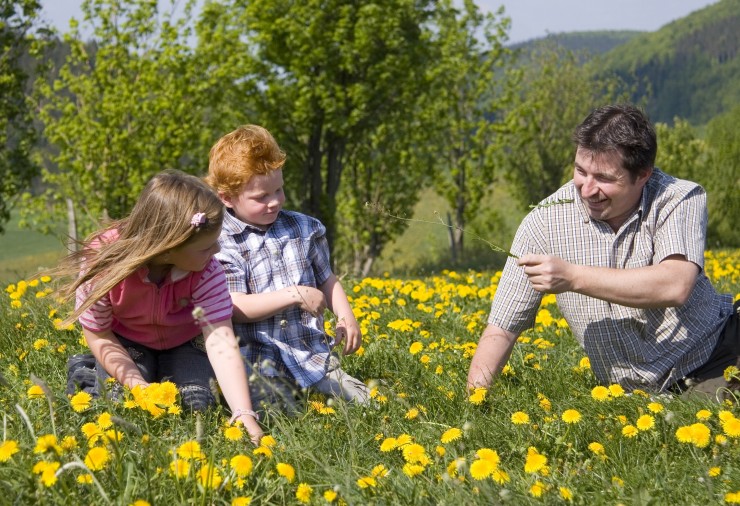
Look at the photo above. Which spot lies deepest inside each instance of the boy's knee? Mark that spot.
(196, 397)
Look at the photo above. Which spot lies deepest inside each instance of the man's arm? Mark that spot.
(494, 349)
(667, 284)
(254, 307)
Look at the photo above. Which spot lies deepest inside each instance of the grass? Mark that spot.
(24, 252)
(423, 440)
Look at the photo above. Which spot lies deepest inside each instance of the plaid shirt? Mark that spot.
(293, 251)
(648, 349)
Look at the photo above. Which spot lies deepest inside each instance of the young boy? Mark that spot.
(280, 279)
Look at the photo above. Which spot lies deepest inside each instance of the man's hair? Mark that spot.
(161, 220)
(623, 129)
(236, 157)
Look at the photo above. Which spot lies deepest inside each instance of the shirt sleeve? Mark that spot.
(682, 227)
(99, 316)
(515, 302)
(212, 294)
(234, 265)
(319, 253)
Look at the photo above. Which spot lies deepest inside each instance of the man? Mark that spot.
(622, 247)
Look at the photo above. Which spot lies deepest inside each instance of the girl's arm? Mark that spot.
(226, 360)
(109, 351)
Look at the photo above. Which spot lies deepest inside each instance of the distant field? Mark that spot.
(24, 252)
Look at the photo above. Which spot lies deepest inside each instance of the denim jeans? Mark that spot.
(187, 366)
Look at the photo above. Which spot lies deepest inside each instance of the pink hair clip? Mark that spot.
(198, 219)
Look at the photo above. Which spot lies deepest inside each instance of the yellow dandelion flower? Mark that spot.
(286, 471)
(571, 416)
(403, 439)
(97, 458)
(713, 472)
(303, 493)
(629, 431)
(47, 443)
(241, 464)
(488, 455)
(179, 468)
(731, 427)
(190, 450)
(566, 494)
(415, 454)
(35, 392)
(450, 435)
(537, 489)
(416, 347)
(703, 414)
(500, 476)
(616, 390)
(478, 395)
(81, 401)
(379, 471)
(655, 407)
(105, 421)
(84, 479)
(389, 444)
(480, 469)
(8, 449)
(233, 433)
(683, 434)
(209, 477)
(411, 414)
(366, 482)
(645, 422)
(268, 441)
(441, 451)
(596, 448)
(617, 481)
(535, 461)
(412, 470)
(520, 418)
(600, 393)
(732, 497)
(330, 496)
(263, 450)
(69, 443)
(544, 402)
(731, 372)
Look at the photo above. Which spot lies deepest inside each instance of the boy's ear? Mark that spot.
(226, 199)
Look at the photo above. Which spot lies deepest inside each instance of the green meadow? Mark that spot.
(545, 433)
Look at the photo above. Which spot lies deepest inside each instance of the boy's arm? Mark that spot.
(114, 358)
(347, 327)
(254, 307)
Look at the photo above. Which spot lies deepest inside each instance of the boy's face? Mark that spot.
(259, 201)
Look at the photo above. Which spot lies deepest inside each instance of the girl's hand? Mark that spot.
(253, 428)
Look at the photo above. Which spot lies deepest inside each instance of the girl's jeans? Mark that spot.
(187, 366)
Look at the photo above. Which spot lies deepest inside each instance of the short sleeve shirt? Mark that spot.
(292, 251)
(648, 349)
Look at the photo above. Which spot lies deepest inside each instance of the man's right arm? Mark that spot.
(494, 349)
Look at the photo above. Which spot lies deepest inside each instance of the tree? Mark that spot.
(557, 93)
(124, 106)
(17, 134)
(323, 76)
(723, 179)
(466, 106)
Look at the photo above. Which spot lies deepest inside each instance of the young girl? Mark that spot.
(144, 279)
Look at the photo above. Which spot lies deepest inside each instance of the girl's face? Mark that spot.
(259, 201)
(194, 255)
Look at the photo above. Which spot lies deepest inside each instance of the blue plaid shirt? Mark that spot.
(292, 251)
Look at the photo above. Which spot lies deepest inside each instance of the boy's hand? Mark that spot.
(308, 299)
(349, 331)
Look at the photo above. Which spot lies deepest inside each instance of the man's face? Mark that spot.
(607, 189)
(259, 201)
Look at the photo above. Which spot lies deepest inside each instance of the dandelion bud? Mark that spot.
(467, 426)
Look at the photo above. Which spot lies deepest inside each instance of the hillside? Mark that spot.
(690, 67)
(591, 42)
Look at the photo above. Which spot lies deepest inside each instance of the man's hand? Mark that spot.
(548, 274)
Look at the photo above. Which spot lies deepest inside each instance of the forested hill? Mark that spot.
(692, 65)
(689, 68)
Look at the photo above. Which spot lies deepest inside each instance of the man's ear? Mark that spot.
(226, 199)
(642, 179)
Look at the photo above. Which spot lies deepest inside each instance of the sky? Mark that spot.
(529, 18)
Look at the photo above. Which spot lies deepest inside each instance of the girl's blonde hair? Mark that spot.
(160, 221)
(236, 157)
